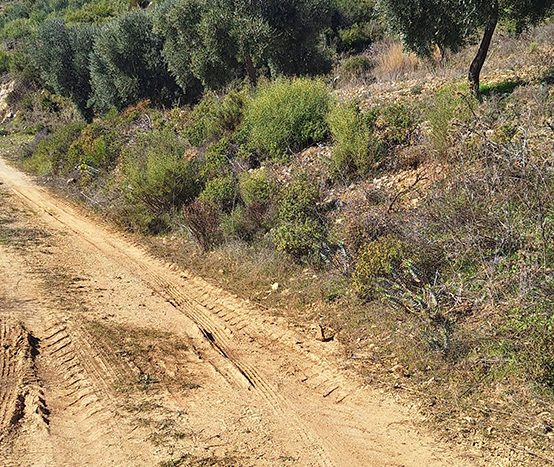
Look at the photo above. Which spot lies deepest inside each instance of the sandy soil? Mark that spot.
(110, 357)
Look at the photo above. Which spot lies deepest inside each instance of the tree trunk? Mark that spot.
(479, 60)
(251, 70)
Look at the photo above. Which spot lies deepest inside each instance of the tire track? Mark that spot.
(20, 391)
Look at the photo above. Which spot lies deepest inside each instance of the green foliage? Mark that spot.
(61, 55)
(444, 107)
(214, 117)
(356, 66)
(158, 179)
(97, 147)
(394, 124)
(238, 225)
(362, 140)
(126, 65)
(214, 42)
(502, 87)
(217, 159)
(355, 25)
(221, 192)
(377, 264)
(304, 240)
(50, 154)
(287, 116)
(256, 187)
(4, 62)
(300, 230)
(351, 137)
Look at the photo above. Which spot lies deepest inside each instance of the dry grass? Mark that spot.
(392, 62)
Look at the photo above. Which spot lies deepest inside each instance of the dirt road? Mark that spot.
(110, 357)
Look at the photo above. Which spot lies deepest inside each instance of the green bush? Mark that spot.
(378, 263)
(158, 180)
(50, 154)
(303, 239)
(238, 225)
(221, 192)
(351, 136)
(287, 116)
(217, 159)
(354, 67)
(256, 187)
(96, 147)
(444, 107)
(300, 230)
(215, 117)
(4, 62)
(394, 124)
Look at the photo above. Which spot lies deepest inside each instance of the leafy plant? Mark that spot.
(287, 116)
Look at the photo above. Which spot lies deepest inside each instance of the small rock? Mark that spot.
(275, 287)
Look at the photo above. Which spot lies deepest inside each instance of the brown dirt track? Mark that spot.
(110, 357)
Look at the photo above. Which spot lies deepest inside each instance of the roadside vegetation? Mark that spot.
(296, 153)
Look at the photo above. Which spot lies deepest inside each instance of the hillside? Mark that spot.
(364, 196)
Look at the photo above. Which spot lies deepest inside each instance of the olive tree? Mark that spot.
(126, 65)
(216, 41)
(61, 54)
(451, 24)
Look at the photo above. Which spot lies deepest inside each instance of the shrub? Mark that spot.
(221, 191)
(256, 187)
(395, 124)
(287, 116)
(300, 230)
(238, 225)
(203, 218)
(441, 111)
(158, 179)
(96, 147)
(378, 264)
(4, 62)
(356, 67)
(351, 137)
(217, 160)
(304, 239)
(215, 117)
(50, 154)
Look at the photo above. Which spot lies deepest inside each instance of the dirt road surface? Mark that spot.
(109, 357)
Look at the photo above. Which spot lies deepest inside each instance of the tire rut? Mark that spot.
(21, 394)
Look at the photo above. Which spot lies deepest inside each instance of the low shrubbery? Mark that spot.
(50, 154)
(158, 180)
(221, 192)
(356, 67)
(256, 186)
(286, 117)
(352, 153)
(215, 117)
(300, 228)
(362, 140)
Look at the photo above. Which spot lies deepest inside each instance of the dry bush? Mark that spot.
(203, 220)
(392, 62)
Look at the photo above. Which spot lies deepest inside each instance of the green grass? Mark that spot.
(501, 87)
